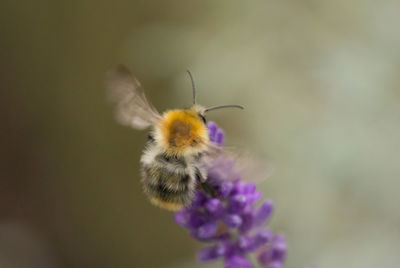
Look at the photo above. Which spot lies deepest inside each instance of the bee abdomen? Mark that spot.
(167, 189)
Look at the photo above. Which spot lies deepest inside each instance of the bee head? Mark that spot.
(182, 132)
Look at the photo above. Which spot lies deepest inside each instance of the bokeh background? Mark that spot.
(320, 83)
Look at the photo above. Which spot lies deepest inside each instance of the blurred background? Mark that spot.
(320, 83)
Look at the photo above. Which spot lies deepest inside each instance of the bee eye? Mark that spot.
(203, 118)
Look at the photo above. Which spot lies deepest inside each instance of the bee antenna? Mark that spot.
(223, 106)
(193, 86)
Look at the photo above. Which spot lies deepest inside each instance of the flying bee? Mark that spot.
(173, 162)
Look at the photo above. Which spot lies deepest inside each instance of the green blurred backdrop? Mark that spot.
(320, 83)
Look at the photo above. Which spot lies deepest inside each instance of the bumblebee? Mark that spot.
(173, 161)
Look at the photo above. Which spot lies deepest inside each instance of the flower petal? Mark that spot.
(263, 213)
(233, 220)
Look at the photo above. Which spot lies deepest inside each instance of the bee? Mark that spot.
(173, 161)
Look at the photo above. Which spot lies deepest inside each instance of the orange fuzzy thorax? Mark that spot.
(182, 131)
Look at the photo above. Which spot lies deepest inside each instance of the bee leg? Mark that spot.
(205, 185)
(208, 189)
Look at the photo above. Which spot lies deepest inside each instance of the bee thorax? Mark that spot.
(181, 132)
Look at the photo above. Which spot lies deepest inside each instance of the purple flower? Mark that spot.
(232, 224)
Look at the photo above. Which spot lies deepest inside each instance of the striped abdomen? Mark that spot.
(168, 181)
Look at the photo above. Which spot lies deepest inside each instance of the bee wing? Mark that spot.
(132, 107)
(230, 163)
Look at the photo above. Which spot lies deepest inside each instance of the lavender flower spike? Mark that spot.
(231, 224)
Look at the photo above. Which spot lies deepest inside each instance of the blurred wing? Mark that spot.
(132, 107)
(231, 163)
(252, 167)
